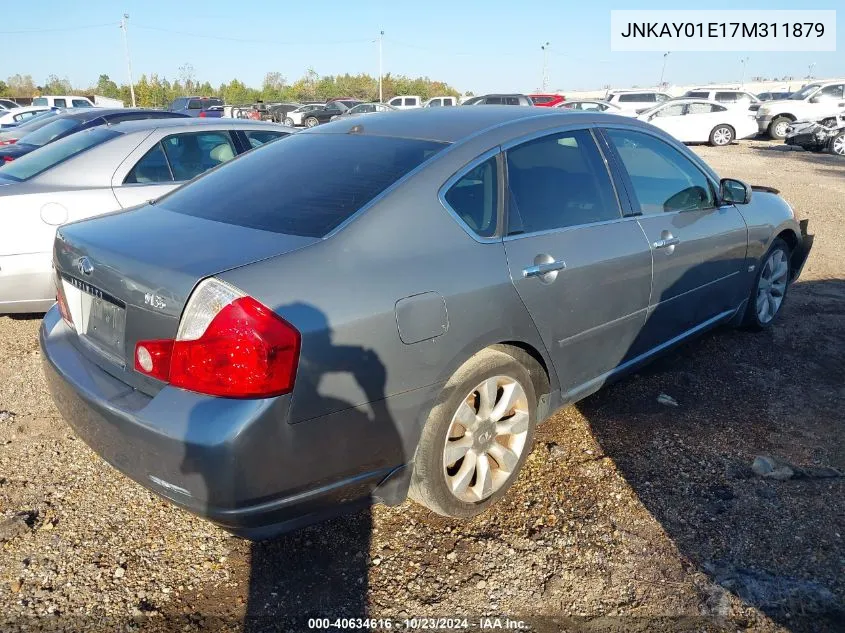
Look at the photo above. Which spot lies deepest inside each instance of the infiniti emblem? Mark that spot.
(85, 266)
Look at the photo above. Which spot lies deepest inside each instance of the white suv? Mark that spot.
(728, 97)
(62, 101)
(636, 99)
(813, 101)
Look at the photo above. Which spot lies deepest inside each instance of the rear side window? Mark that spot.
(80, 103)
(693, 94)
(190, 155)
(558, 181)
(663, 179)
(152, 168)
(726, 97)
(40, 101)
(34, 163)
(194, 104)
(257, 138)
(703, 108)
(306, 186)
(635, 98)
(511, 101)
(493, 101)
(60, 103)
(410, 102)
(474, 198)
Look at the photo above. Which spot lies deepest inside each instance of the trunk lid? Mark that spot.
(127, 276)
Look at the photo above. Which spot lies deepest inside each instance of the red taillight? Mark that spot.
(8, 159)
(202, 114)
(63, 309)
(10, 141)
(246, 351)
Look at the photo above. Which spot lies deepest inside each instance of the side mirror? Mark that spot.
(734, 191)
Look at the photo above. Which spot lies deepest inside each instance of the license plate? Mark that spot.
(99, 318)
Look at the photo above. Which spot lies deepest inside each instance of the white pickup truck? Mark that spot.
(813, 101)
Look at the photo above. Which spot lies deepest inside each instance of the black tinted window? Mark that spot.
(630, 98)
(60, 103)
(493, 101)
(558, 181)
(293, 188)
(475, 196)
(194, 104)
(698, 94)
(257, 138)
(726, 97)
(663, 179)
(151, 168)
(511, 101)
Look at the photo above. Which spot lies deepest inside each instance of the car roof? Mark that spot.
(448, 124)
(89, 114)
(189, 123)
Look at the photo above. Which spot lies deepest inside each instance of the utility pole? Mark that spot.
(545, 48)
(128, 60)
(810, 74)
(744, 61)
(663, 71)
(380, 93)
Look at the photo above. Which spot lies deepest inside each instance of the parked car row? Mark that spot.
(189, 350)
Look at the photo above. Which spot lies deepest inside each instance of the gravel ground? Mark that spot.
(629, 514)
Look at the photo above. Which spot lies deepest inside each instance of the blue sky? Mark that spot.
(478, 45)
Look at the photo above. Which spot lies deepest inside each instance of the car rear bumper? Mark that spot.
(26, 283)
(237, 463)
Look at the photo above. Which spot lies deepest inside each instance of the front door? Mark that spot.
(698, 245)
(582, 270)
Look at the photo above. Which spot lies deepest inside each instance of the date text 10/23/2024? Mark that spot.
(723, 30)
(417, 624)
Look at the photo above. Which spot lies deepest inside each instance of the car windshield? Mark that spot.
(306, 195)
(50, 132)
(43, 159)
(805, 92)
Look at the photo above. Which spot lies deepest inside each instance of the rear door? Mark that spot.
(581, 268)
(672, 120)
(698, 245)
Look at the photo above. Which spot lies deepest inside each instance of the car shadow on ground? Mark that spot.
(776, 545)
(319, 571)
(822, 158)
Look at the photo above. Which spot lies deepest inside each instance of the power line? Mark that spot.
(241, 40)
(64, 28)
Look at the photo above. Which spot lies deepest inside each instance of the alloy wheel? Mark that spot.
(486, 439)
(722, 136)
(838, 145)
(772, 286)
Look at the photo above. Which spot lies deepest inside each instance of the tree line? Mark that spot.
(156, 91)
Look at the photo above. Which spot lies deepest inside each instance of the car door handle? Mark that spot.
(538, 270)
(666, 242)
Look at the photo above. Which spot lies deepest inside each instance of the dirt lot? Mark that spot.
(629, 515)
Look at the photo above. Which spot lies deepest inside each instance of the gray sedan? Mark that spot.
(289, 337)
(99, 170)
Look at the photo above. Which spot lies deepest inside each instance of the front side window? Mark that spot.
(474, 198)
(434, 103)
(663, 179)
(805, 92)
(410, 101)
(704, 108)
(191, 154)
(80, 103)
(291, 188)
(194, 104)
(660, 98)
(152, 168)
(558, 181)
(831, 93)
(676, 109)
(396, 102)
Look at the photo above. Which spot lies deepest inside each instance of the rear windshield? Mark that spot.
(306, 185)
(43, 159)
(50, 132)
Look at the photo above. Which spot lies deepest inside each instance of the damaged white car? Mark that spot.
(819, 135)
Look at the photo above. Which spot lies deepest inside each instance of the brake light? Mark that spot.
(10, 141)
(202, 114)
(8, 159)
(228, 345)
(62, 302)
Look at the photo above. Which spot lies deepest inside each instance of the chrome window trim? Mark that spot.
(463, 171)
(574, 227)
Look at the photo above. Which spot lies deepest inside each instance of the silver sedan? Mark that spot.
(96, 171)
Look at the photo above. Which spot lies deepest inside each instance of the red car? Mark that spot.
(547, 101)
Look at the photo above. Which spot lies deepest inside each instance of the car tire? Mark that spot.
(837, 144)
(722, 135)
(498, 447)
(289, 122)
(777, 128)
(311, 122)
(755, 318)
